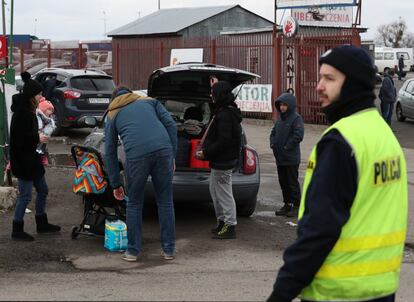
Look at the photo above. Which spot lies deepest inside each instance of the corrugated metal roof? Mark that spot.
(169, 20)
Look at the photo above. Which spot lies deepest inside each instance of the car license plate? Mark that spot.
(98, 100)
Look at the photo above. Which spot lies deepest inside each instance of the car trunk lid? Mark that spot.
(193, 80)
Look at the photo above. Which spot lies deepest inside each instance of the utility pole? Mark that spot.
(104, 19)
(276, 63)
(11, 33)
(3, 115)
(159, 4)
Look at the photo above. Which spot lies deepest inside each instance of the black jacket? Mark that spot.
(387, 93)
(287, 133)
(223, 142)
(24, 137)
(401, 63)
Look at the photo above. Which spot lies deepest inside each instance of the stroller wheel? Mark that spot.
(75, 232)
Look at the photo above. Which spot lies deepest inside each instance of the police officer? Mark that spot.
(353, 211)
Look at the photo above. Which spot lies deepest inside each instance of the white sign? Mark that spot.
(312, 3)
(184, 55)
(333, 16)
(254, 98)
(290, 27)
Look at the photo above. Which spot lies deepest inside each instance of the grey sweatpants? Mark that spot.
(221, 192)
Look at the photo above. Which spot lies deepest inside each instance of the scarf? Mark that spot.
(122, 101)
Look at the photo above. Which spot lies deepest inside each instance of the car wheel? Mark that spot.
(75, 232)
(247, 207)
(399, 113)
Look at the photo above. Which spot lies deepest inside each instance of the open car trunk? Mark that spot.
(192, 118)
(185, 91)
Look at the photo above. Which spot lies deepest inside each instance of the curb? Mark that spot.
(8, 197)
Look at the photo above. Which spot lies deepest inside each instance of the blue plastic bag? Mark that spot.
(115, 235)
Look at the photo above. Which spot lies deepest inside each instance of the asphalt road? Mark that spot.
(55, 267)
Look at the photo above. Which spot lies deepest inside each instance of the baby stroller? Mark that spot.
(92, 183)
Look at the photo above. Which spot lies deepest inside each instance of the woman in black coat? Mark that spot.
(25, 161)
(222, 148)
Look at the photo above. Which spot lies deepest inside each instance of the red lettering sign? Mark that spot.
(3, 47)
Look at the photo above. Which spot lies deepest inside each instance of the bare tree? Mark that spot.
(394, 34)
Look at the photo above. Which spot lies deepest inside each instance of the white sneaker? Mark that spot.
(27, 211)
(167, 256)
(129, 258)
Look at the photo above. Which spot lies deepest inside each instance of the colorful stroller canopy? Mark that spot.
(89, 174)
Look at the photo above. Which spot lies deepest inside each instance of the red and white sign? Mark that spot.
(3, 47)
(334, 16)
(290, 27)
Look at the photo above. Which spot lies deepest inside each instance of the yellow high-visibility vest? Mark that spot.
(365, 261)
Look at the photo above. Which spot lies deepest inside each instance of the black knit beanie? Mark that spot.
(359, 85)
(31, 87)
(352, 61)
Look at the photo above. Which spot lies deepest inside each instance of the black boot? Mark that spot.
(226, 232)
(293, 213)
(43, 226)
(18, 233)
(287, 207)
(220, 224)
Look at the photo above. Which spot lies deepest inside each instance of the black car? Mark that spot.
(179, 88)
(75, 94)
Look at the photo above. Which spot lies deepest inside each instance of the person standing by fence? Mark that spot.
(285, 137)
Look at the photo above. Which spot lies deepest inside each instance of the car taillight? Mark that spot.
(70, 94)
(250, 161)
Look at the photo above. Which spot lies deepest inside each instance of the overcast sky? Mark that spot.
(89, 19)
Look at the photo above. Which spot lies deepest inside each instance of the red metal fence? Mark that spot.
(299, 67)
(136, 59)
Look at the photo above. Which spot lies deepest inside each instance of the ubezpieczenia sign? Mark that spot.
(333, 16)
(254, 98)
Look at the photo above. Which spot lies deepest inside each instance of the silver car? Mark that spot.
(405, 101)
(184, 86)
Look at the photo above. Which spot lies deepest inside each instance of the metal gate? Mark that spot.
(299, 69)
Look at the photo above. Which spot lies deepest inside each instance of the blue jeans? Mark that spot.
(25, 196)
(386, 110)
(159, 165)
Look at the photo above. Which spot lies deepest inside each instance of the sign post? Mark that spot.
(3, 125)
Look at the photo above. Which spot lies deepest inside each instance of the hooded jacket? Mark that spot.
(24, 137)
(387, 93)
(223, 142)
(287, 133)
